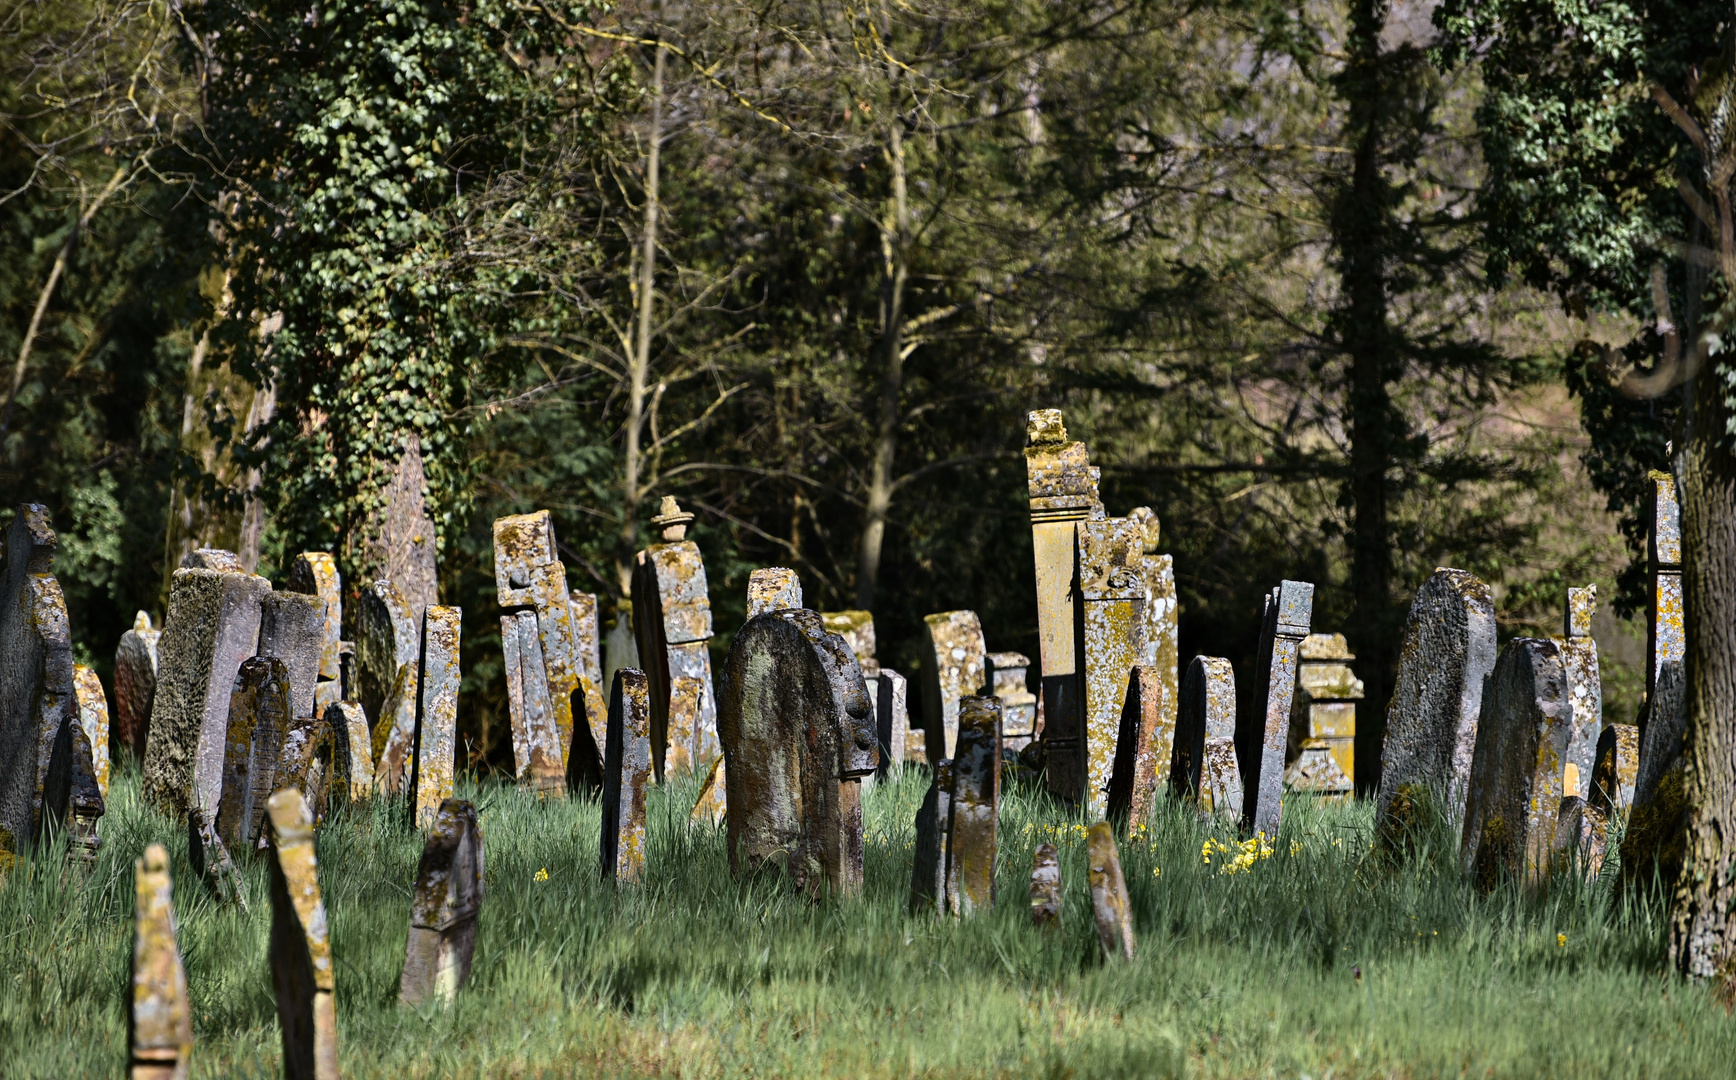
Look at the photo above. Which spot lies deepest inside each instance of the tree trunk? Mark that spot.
(894, 248)
(641, 359)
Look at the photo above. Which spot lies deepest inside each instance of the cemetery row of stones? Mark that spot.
(254, 718)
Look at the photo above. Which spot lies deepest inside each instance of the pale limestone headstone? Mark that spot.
(1112, 641)
(1322, 744)
(933, 817)
(529, 577)
(672, 617)
(971, 838)
(1005, 678)
(536, 740)
(302, 973)
(316, 573)
(1516, 772)
(349, 721)
(1666, 630)
(160, 1016)
(952, 667)
(292, 627)
(93, 717)
(444, 907)
(592, 688)
(1431, 724)
(436, 747)
(1045, 887)
(1203, 764)
(135, 684)
(388, 665)
(38, 702)
(212, 626)
(1617, 768)
(1135, 779)
(1162, 627)
(856, 627)
(259, 719)
(892, 718)
(1110, 907)
(1584, 690)
(1260, 740)
(626, 773)
(773, 588)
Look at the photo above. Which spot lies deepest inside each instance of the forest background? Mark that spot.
(805, 266)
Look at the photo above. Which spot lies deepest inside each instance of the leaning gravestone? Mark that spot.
(350, 723)
(301, 954)
(1666, 628)
(315, 573)
(1515, 792)
(536, 739)
(436, 744)
(672, 617)
(212, 626)
(160, 1020)
(292, 627)
(626, 771)
(530, 580)
(135, 684)
(1045, 887)
(928, 876)
(1260, 739)
(1656, 835)
(773, 588)
(1618, 766)
(444, 907)
(952, 667)
(588, 651)
(93, 717)
(1203, 764)
(38, 702)
(83, 799)
(1110, 906)
(892, 718)
(397, 540)
(1584, 690)
(1431, 724)
(975, 807)
(1162, 625)
(1112, 640)
(388, 662)
(315, 761)
(1138, 747)
(259, 719)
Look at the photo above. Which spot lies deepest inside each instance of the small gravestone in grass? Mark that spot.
(1322, 743)
(626, 772)
(159, 1017)
(972, 836)
(302, 972)
(135, 684)
(1045, 887)
(1110, 907)
(1203, 763)
(672, 619)
(444, 908)
(892, 719)
(1261, 738)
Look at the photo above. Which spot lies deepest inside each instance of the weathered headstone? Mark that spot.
(160, 1017)
(626, 771)
(1111, 643)
(1666, 630)
(135, 684)
(316, 573)
(620, 644)
(1203, 764)
(350, 723)
(444, 907)
(1582, 833)
(672, 617)
(1617, 767)
(1063, 492)
(1656, 836)
(773, 588)
(952, 667)
(436, 746)
(397, 542)
(536, 740)
(93, 717)
(1110, 906)
(315, 761)
(1516, 771)
(1431, 723)
(212, 626)
(1584, 690)
(933, 817)
(592, 689)
(1322, 745)
(292, 627)
(892, 719)
(214, 559)
(259, 719)
(388, 669)
(1260, 739)
(210, 859)
(1045, 887)
(1162, 626)
(530, 579)
(971, 838)
(85, 802)
(38, 704)
(1005, 678)
(301, 955)
(1137, 769)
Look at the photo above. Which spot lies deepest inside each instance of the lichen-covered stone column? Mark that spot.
(1260, 750)
(160, 1035)
(302, 973)
(672, 619)
(1666, 633)
(1111, 641)
(1579, 663)
(626, 772)
(975, 807)
(444, 908)
(436, 746)
(1203, 763)
(530, 579)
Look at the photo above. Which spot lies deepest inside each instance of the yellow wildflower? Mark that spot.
(541, 875)
(1561, 941)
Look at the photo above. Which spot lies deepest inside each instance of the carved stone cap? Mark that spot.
(672, 519)
(1150, 528)
(1326, 647)
(1044, 427)
(1581, 606)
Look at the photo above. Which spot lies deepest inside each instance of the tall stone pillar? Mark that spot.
(1260, 743)
(1111, 641)
(672, 619)
(1666, 633)
(530, 579)
(1584, 691)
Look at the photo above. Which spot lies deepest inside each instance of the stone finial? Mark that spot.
(160, 1028)
(672, 519)
(975, 807)
(301, 954)
(773, 588)
(444, 907)
(933, 818)
(1150, 529)
(1045, 887)
(436, 743)
(626, 771)
(1110, 906)
(135, 684)
(1044, 427)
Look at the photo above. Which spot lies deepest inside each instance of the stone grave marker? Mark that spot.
(388, 668)
(259, 719)
(620, 643)
(1666, 631)
(952, 667)
(1203, 764)
(530, 579)
(93, 717)
(350, 724)
(211, 861)
(1134, 781)
(1515, 791)
(211, 628)
(1112, 640)
(1110, 906)
(975, 807)
(292, 627)
(301, 955)
(1656, 835)
(1582, 833)
(592, 688)
(214, 559)
(135, 684)
(1162, 625)
(160, 1017)
(1437, 696)
(1260, 739)
(436, 744)
(1322, 745)
(316, 761)
(397, 542)
(672, 618)
(1045, 887)
(38, 702)
(1617, 767)
(933, 818)
(536, 740)
(315, 573)
(1005, 679)
(84, 801)
(626, 772)
(892, 718)
(773, 588)
(443, 910)
(1584, 690)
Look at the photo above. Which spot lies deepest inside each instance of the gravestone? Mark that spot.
(301, 955)
(672, 618)
(620, 644)
(1045, 887)
(1617, 767)
(397, 542)
(211, 861)
(798, 736)
(626, 771)
(892, 718)
(592, 688)
(536, 740)
(350, 723)
(530, 579)
(952, 667)
(436, 745)
(212, 626)
(1656, 836)
(1134, 781)
(1584, 690)
(971, 837)
(1111, 643)
(1666, 630)
(38, 702)
(933, 818)
(292, 627)
(1515, 792)
(1582, 833)
(1203, 764)
(315, 761)
(1110, 907)
(1431, 724)
(1005, 679)
(444, 907)
(135, 684)
(1162, 625)
(1322, 743)
(160, 1016)
(773, 588)
(93, 717)
(84, 801)
(259, 719)
(1063, 492)
(388, 669)
(1260, 739)
(316, 574)
(856, 627)
(214, 559)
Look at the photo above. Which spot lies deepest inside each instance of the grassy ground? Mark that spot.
(1244, 974)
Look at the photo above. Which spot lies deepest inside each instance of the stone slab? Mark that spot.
(1063, 491)
(1516, 772)
(1208, 711)
(672, 621)
(292, 627)
(1260, 740)
(626, 772)
(436, 746)
(975, 808)
(302, 973)
(444, 907)
(1140, 746)
(387, 638)
(93, 717)
(856, 627)
(38, 704)
(587, 647)
(1005, 674)
(135, 684)
(1112, 641)
(350, 723)
(536, 742)
(1045, 887)
(84, 801)
(1111, 909)
(160, 1015)
(1617, 768)
(1666, 628)
(952, 667)
(892, 718)
(1580, 666)
(773, 588)
(316, 573)
(259, 720)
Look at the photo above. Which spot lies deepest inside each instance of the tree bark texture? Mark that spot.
(641, 359)
(895, 238)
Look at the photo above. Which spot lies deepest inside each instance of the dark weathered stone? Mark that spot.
(892, 718)
(38, 700)
(1203, 763)
(536, 741)
(1617, 768)
(316, 761)
(349, 724)
(1656, 838)
(1515, 790)
(398, 541)
(388, 663)
(1110, 906)
(302, 973)
(135, 685)
(259, 719)
(1666, 627)
(84, 802)
(1111, 641)
(1431, 724)
(443, 910)
(773, 588)
(1581, 833)
(1046, 887)
(212, 626)
(160, 1016)
(93, 717)
(928, 876)
(592, 688)
(529, 577)
(436, 745)
(952, 667)
(292, 627)
(971, 838)
(1260, 739)
(1139, 748)
(626, 771)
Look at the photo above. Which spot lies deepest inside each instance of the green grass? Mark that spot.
(1238, 975)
